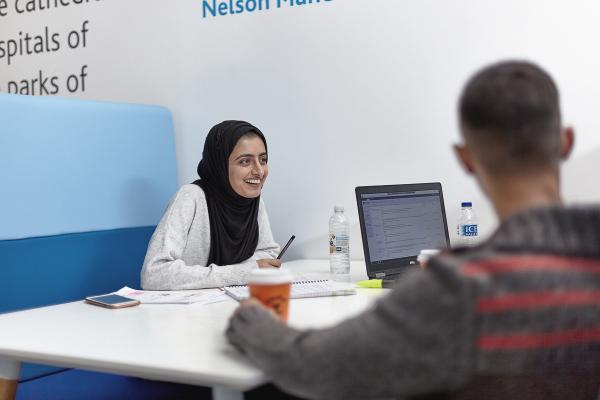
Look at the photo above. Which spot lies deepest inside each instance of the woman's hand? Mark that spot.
(269, 263)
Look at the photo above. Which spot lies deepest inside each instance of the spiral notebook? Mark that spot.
(301, 289)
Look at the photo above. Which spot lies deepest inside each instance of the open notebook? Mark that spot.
(301, 289)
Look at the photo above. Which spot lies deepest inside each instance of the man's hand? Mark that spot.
(248, 316)
(252, 302)
(269, 263)
(238, 321)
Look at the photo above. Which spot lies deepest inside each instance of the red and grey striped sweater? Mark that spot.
(524, 302)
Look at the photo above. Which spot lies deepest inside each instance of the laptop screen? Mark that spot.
(399, 221)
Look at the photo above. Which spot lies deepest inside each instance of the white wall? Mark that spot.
(349, 92)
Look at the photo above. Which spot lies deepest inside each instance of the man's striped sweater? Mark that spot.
(524, 302)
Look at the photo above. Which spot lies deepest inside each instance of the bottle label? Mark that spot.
(468, 230)
(338, 244)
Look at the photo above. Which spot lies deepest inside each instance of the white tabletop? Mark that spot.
(177, 343)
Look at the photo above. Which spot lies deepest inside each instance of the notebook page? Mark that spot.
(321, 288)
(302, 289)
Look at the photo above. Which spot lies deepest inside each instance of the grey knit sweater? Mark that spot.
(179, 248)
(525, 301)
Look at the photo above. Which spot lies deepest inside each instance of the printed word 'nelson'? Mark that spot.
(216, 8)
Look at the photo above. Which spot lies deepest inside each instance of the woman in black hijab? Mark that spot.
(216, 230)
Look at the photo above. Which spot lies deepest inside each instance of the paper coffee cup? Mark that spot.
(271, 286)
(425, 255)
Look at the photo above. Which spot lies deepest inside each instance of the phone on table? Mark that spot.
(112, 301)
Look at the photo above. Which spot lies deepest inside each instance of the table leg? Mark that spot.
(221, 393)
(9, 376)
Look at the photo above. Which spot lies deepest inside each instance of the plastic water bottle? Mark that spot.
(467, 225)
(339, 242)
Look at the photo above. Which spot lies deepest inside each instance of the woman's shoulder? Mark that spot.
(261, 203)
(191, 189)
(190, 193)
(262, 208)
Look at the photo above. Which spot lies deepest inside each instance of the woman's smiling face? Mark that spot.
(248, 167)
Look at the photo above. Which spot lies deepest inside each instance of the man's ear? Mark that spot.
(567, 140)
(464, 157)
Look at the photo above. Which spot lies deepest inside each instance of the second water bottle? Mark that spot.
(467, 229)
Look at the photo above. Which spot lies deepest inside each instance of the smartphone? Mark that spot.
(112, 301)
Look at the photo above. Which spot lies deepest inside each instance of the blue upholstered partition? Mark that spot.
(71, 166)
(82, 186)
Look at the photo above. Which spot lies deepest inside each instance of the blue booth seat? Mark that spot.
(70, 267)
(84, 183)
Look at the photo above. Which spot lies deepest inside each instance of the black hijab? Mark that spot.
(233, 218)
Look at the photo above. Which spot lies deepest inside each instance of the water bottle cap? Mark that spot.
(466, 204)
(338, 208)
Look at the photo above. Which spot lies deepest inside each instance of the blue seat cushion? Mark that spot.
(62, 268)
(78, 384)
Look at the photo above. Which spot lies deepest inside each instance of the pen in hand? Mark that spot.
(282, 252)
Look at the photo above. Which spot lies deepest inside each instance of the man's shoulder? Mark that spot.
(470, 265)
(485, 259)
(494, 270)
(452, 261)
(442, 274)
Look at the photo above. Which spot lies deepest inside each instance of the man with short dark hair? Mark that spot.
(515, 317)
(510, 120)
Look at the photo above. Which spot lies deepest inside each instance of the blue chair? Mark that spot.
(84, 184)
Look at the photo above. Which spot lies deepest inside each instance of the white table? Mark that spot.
(175, 343)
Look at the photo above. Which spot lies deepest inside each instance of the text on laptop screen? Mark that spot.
(400, 225)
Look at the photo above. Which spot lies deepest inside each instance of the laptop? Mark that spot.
(397, 222)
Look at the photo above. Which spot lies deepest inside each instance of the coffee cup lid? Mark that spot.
(269, 276)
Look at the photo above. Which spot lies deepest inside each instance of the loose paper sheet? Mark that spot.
(173, 296)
